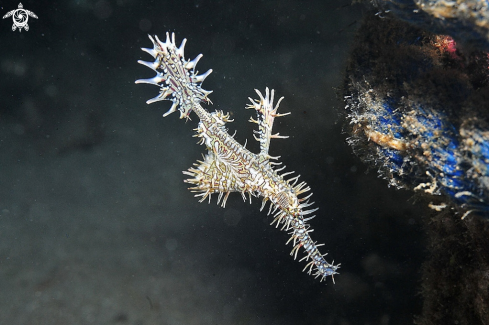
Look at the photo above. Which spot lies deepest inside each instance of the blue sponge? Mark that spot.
(417, 110)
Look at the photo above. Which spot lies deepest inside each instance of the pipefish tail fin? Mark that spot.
(177, 78)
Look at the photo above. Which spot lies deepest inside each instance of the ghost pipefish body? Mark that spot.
(228, 166)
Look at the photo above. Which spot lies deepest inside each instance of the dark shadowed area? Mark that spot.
(96, 224)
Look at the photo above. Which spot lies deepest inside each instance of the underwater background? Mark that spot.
(96, 224)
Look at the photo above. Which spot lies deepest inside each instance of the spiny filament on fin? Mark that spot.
(175, 76)
(228, 166)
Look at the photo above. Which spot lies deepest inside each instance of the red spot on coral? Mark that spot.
(448, 45)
